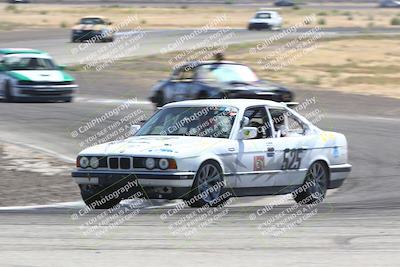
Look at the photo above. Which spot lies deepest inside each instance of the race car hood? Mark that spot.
(41, 75)
(89, 27)
(156, 146)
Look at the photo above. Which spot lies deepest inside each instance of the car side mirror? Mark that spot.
(134, 129)
(248, 133)
(62, 67)
(306, 128)
(244, 122)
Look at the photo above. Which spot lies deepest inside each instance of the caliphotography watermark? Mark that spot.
(279, 223)
(189, 224)
(214, 40)
(110, 126)
(98, 224)
(277, 55)
(101, 57)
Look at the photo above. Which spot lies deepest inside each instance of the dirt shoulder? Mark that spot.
(29, 177)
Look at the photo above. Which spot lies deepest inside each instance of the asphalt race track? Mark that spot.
(57, 43)
(357, 225)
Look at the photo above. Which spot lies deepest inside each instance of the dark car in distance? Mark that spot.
(284, 3)
(216, 79)
(19, 1)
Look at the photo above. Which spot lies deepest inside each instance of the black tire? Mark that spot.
(159, 99)
(315, 184)
(69, 99)
(94, 197)
(74, 40)
(7, 93)
(208, 186)
(202, 95)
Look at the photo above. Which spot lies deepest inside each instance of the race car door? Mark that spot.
(251, 172)
(181, 85)
(290, 145)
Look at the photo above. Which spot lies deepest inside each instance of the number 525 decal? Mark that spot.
(291, 159)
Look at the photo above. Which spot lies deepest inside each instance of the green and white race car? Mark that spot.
(32, 75)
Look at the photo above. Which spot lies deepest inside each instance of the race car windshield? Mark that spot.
(214, 122)
(28, 63)
(263, 16)
(227, 73)
(90, 21)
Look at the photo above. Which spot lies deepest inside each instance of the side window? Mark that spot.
(258, 118)
(295, 126)
(205, 74)
(184, 75)
(285, 123)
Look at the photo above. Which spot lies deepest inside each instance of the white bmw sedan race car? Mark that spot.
(198, 150)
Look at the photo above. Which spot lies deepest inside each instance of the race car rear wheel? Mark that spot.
(315, 184)
(207, 186)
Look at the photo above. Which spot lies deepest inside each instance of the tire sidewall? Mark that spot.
(196, 192)
(8, 92)
(302, 196)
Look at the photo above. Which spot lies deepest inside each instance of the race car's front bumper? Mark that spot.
(259, 26)
(167, 185)
(48, 92)
(90, 35)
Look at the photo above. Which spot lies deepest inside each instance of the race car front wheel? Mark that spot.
(208, 186)
(158, 99)
(315, 185)
(7, 93)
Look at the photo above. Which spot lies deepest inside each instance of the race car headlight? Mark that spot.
(150, 163)
(163, 164)
(83, 162)
(94, 162)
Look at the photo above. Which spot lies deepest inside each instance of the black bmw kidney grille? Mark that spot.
(113, 162)
(123, 163)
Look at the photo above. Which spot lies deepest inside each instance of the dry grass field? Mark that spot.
(54, 16)
(369, 65)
